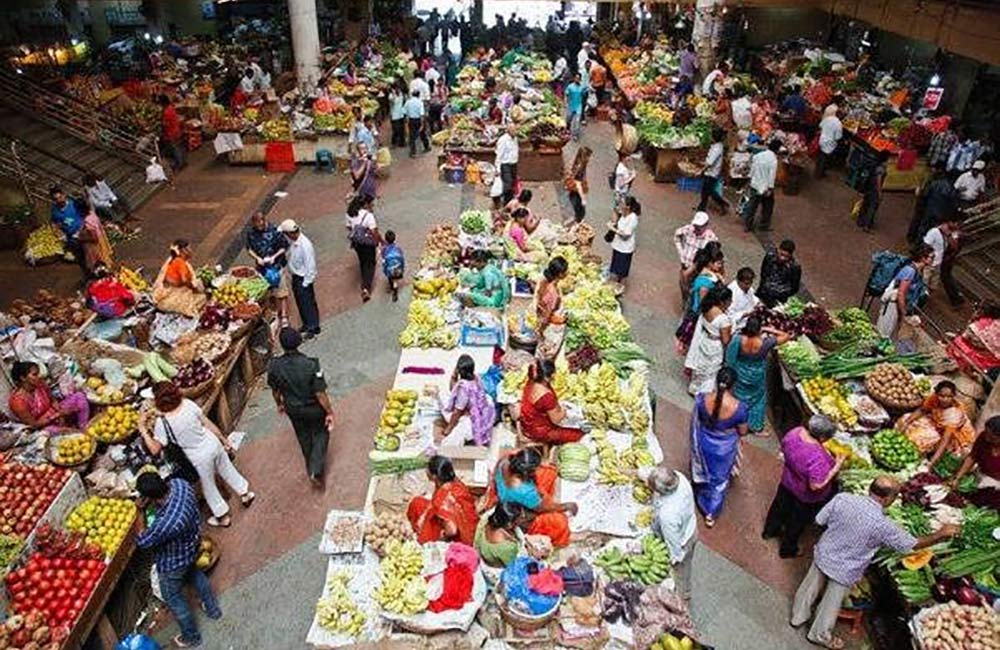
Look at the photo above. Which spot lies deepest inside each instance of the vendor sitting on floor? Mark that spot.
(940, 424)
(488, 286)
(523, 478)
(498, 536)
(521, 201)
(31, 401)
(177, 289)
(984, 457)
(541, 415)
(519, 245)
(469, 412)
(107, 296)
(450, 513)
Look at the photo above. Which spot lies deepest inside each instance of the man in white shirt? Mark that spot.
(944, 239)
(763, 170)
(582, 57)
(830, 132)
(711, 173)
(419, 86)
(744, 298)
(432, 76)
(103, 200)
(414, 110)
(708, 88)
(971, 184)
(559, 69)
(674, 520)
(507, 152)
(302, 266)
(624, 175)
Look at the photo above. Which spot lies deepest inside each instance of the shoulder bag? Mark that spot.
(362, 235)
(175, 455)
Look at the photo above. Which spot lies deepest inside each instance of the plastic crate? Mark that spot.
(279, 157)
(481, 337)
(685, 184)
(454, 175)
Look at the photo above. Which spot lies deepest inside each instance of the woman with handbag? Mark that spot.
(192, 442)
(576, 185)
(362, 231)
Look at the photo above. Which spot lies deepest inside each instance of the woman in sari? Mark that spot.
(177, 289)
(31, 401)
(523, 478)
(548, 298)
(521, 201)
(747, 354)
(363, 173)
(712, 335)
(718, 421)
(707, 271)
(985, 460)
(94, 241)
(469, 412)
(541, 414)
(450, 513)
(498, 536)
(940, 424)
(520, 246)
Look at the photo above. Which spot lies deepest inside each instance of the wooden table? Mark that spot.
(216, 400)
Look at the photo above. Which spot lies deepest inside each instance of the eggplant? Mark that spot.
(968, 596)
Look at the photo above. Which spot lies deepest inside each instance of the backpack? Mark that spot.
(885, 266)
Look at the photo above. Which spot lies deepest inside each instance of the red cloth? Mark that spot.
(546, 582)
(963, 353)
(171, 124)
(452, 502)
(535, 423)
(111, 294)
(457, 589)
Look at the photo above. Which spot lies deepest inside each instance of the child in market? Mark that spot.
(393, 263)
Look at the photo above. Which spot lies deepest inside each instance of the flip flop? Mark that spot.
(181, 643)
(217, 523)
(247, 499)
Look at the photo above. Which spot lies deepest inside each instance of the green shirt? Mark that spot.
(490, 288)
(499, 554)
(297, 378)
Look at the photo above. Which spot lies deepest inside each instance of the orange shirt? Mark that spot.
(598, 75)
(178, 273)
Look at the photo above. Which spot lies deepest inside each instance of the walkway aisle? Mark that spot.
(271, 572)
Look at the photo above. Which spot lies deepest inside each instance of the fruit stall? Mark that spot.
(383, 586)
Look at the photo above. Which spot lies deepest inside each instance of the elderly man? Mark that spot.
(301, 258)
(856, 527)
(688, 240)
(674, 520)
(507, 154)
(267, 247)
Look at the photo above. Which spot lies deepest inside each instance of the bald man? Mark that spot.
(856, 527)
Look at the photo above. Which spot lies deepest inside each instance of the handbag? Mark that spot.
(175, 454)
(362, 235)
(609, 236)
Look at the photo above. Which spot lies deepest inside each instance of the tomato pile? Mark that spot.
(24, 632)
(26, 493)
(56, 587)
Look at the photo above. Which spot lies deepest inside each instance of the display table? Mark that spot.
(225, 400)
(909, 180)
(536, 165)
(304, 150)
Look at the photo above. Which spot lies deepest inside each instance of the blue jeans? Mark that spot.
(172, 590)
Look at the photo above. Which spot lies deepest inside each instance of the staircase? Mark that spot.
(977, 267)
(47, 139)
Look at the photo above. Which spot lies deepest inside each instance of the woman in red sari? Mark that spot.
(32, 402)
(450, 514)
(541, 414)
(523, 478)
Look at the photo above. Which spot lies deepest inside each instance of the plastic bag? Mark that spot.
(272, 274)
(138, 642)
(514, 582)
(491, 381)
(578, 578)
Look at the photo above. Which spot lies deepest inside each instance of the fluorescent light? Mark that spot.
(146, 36)
(19, 70)
(936, 79)
(74, 41)
(158, 39)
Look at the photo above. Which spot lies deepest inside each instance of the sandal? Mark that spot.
(835, 643)
(225, 522)
(247, 499)
(709, 522)
(180, 642)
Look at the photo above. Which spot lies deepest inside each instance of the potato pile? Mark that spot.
(892, 385)
(51, 308)
(388, 525)
(441, 245)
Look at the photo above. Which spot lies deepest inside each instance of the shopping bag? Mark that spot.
(856, 209)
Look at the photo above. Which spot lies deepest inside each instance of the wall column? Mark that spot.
(305, 41)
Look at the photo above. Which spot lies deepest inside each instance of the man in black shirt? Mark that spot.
(780, 274)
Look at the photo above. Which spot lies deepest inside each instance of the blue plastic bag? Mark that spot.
(491, 381)
(514, 581)
(273, 275)
(138, 642)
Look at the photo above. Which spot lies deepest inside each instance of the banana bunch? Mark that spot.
(402, 590)
(132, 280)
(594, 294)
(46, 241)
(644, 518)
(633, 403)
(610, 470)
(650, 566)
(637, 456)
(336, 610)
(641, 492)
(426, 327)
(514, 381)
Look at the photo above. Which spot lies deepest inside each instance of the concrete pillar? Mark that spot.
(706, 32)
(305, 41)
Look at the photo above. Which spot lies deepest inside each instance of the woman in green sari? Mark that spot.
(747, 354)
(498, 538)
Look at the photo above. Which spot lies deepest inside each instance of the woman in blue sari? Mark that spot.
(747, 354)
(718, 421)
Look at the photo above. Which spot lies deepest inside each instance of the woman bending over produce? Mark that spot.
(32, 403)
(984, 457)
(541, 414)
(548, 298)
(487, 284)
(523, 479)
(177, 289)
(468, 411)
(747, 354)
(940, 424)
(450, 513)
(498, 536)
(519, 245)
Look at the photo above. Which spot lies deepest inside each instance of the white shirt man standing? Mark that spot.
(507, 154)
(302, 266)
(674, 520)
(419, 86)
(763, 172)
(830, 132)
(971, 184)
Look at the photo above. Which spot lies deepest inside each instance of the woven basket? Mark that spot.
(525, 621)
(196, 391)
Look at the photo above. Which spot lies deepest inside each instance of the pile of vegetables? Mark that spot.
(801, 358)
(574, 462)
(910, 516)
(852, 325)
(830, 399)
(802, 320)
(858, 358)
(475, 222)
(977, 529)
(621, 601)
(892, 385)
(952, 626)
(892, 450)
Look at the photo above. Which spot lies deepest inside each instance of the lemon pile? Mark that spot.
(398, 411)
(73, 450)
(116, 424)
(105, 521)
(230, 295)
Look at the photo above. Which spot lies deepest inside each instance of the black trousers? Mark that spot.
(417, 131)
(399, 132)
(508, 175)
(174, 151)
(366, 261)
(822, 162)
(788, 517)
(579, 209)
(766, 204)
(310, 429)
(305, 300)
(948, 280)
(710, 190)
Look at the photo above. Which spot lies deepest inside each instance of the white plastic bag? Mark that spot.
(154, 172)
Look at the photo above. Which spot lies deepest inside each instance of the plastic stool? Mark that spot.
(855, 617)
(324, 161)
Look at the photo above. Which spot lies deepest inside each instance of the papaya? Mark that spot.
(918, 559)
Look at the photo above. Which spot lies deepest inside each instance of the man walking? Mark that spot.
(763, 171)
(507, 154)
(302, 265)
(414, 110)
(174, 538)
(856, 527)
(299, 390)
(689, 239)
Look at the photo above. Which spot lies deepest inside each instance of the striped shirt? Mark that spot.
(856, 527)
(175, 534)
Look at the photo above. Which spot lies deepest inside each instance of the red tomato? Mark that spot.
(95, 565)
(85, 574)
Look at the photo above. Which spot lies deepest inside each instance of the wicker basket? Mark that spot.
(196, 391)
(242, 330)
(523, 621)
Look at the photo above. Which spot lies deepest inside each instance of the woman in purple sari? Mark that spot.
(718, 421)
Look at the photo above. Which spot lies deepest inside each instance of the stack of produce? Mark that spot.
(57, 587)
(104, 521)
(50, 308)
(397, 414)
(402, 589)
(44, 243)
(336, 609)
(858, 358)
(800, 320)
(952, 626)
(132, 279)
(26, 494)
(801, 358)
(476, 222)
(10, 549)
(214, 317)
(649, 566)
(73, 449)
(597, 391)
(852, 325)
(574, 462)
(441, 246)
(830, 398)
(892, 385)
(386, 526)
(194, 374)
(116, 424)
(426, 327)
(230, 294)
(893, 450)
(434, 287)
(276, 130)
